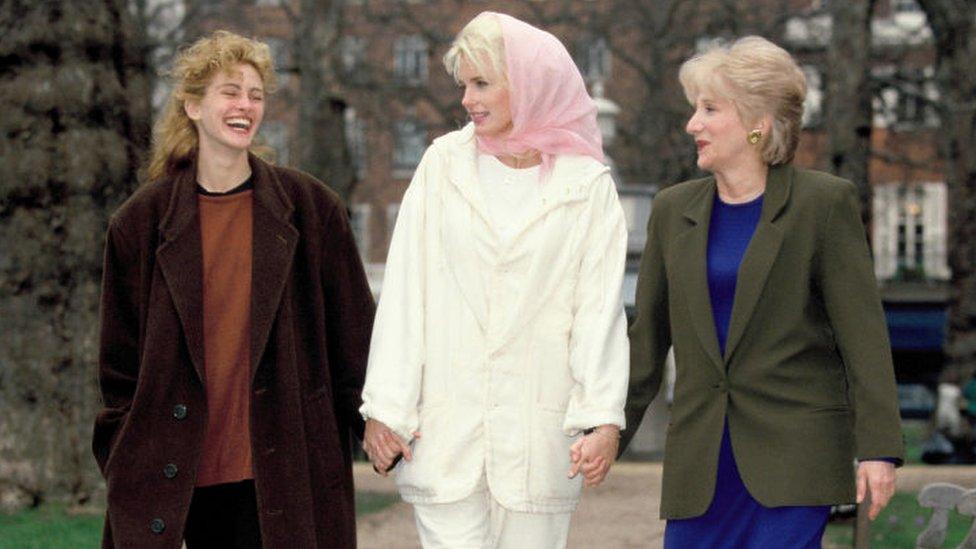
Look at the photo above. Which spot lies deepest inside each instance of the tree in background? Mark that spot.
(321, 140)
(849, 96)
(75, 126)
(953, 24)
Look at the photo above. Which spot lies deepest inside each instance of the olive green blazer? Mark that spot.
(806, 382)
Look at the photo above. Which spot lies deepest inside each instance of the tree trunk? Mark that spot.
(322, 148)
(953, 24)
(849, 111)
(74, 130)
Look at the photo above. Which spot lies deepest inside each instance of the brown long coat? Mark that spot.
(311, 318)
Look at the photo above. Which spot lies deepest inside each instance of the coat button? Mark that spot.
(170, 470)
(179, 411)
(157, 526)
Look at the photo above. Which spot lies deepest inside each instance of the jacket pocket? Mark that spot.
(553, 377)
(109, 428)
(549, 460)
(324, 444)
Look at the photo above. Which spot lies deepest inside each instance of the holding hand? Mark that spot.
(878, 477)
(382, 446)
(593, 454)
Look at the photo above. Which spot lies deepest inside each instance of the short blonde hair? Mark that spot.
(760, 79)
(175, 139)
(482, 44)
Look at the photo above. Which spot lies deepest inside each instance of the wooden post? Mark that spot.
(862, 526)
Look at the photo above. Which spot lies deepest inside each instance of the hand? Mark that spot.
(878, 477)
(594, 453)
(382, 446)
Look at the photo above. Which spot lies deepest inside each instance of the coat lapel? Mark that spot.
(180, 258)
(466, 232)
(690, 256)
(474, 246)
(274, 241)
(760, 254)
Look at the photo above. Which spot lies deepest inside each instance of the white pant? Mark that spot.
(480, 522)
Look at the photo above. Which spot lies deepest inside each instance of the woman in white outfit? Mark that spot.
(500, 337)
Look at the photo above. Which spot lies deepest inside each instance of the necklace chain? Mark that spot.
(519, 158)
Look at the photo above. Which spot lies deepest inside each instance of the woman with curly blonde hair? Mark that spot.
(234, 329)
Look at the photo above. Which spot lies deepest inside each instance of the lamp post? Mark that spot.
(606, 114)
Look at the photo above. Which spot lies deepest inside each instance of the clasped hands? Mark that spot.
(593, 454)
(382, 446)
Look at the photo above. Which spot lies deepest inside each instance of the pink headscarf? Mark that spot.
(551, 109)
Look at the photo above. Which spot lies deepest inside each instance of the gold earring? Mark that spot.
(754, 136)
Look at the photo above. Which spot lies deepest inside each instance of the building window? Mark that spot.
(356, 141)
(359, 222)
(352, 51)
(410, 59)
(594, 59)
(706, 43)
(907, 100)
(909, 236)
(275, 133)
(410, 140)
(905, 6)
(813, 104)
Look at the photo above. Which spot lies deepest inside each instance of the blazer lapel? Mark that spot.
(690, 256)
(760, 254)
(180, 258)
(273, 242)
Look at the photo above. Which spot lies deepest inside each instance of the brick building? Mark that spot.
(387, 70)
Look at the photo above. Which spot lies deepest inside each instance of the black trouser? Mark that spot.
(223, 516)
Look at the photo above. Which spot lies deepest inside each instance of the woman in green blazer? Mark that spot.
(761, 279)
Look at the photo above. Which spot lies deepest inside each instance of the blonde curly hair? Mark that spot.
(175, 141)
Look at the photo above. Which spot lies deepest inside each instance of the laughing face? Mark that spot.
(486, 100)
(228, 115)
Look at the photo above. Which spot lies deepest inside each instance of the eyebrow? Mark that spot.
(238, 87)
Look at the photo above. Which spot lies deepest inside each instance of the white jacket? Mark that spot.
(499, 355)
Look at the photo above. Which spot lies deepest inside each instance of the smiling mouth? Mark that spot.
(242, 124)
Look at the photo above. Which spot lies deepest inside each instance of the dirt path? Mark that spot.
(620, 514)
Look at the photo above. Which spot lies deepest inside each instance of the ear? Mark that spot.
(192, 109)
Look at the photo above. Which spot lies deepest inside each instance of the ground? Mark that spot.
(620, 514)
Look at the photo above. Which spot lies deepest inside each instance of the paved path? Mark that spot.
(620, 514)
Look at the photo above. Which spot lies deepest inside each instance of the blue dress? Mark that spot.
(734, 519)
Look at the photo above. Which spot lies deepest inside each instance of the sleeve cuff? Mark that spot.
(403, 424)
(578, 421)
(897, 462)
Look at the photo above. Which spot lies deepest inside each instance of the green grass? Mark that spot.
(51, 527)
(915, 431)
(898, 526)
(368, 503)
